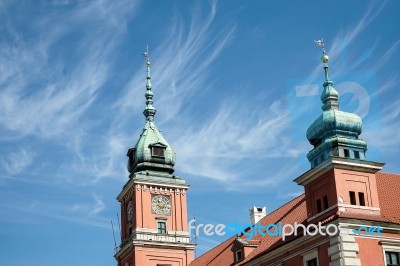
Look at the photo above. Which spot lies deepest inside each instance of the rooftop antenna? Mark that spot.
(195, 231)
(119, 226)
(115, 243)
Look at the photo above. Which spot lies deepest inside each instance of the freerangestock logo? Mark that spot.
(279, 229)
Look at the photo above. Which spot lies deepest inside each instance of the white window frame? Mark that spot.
(390, 246)
(162, 221)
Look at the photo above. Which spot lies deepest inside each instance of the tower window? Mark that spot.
(131, 155)
(392, 258)
(319, 207)
(352, 198)
(357, 154)
(325, 200)
(361, 198)
(346, 153)
(312, 262)
(161, 227)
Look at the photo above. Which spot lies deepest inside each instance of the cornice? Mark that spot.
(155, 186)
(338, 163)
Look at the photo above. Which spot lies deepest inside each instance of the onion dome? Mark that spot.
(334, 132)
(152, 151)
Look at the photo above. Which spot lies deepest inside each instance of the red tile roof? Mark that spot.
(220, 252)
(388, 185)
(294, 210)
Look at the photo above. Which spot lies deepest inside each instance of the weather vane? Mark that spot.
(321, 44)
(146, 54)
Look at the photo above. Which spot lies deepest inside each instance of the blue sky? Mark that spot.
(236, 85)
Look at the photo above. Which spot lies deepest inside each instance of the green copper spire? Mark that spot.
(329, 96)
(149, 112)
(152, 154)
(334, 132)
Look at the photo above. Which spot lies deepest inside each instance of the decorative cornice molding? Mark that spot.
(153, 187)
(338, 163)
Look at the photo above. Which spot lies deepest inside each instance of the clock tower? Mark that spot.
(154, 226)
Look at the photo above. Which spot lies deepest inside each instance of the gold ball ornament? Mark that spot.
(325, 58)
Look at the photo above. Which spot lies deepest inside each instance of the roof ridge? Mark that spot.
(382, 172)
(208, 251)
(280, 207)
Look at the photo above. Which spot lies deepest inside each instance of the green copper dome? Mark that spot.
(152, 151)
(334, 132)
(334, 123)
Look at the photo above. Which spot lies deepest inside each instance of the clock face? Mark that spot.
(130, 211)
(161, 205)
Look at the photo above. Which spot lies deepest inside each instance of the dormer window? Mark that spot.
(131, 160)
(131, 154)
(238, 255)
(158, 150)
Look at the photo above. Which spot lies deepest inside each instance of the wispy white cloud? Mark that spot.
(344, 39)
(49, 90)
(16, 162)
(41, 94)
(217, 148)
(387, 138)
(104, 161)
(180, 64)
(89, 209)
(290, 195)
(179, 71)
(388, 55)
